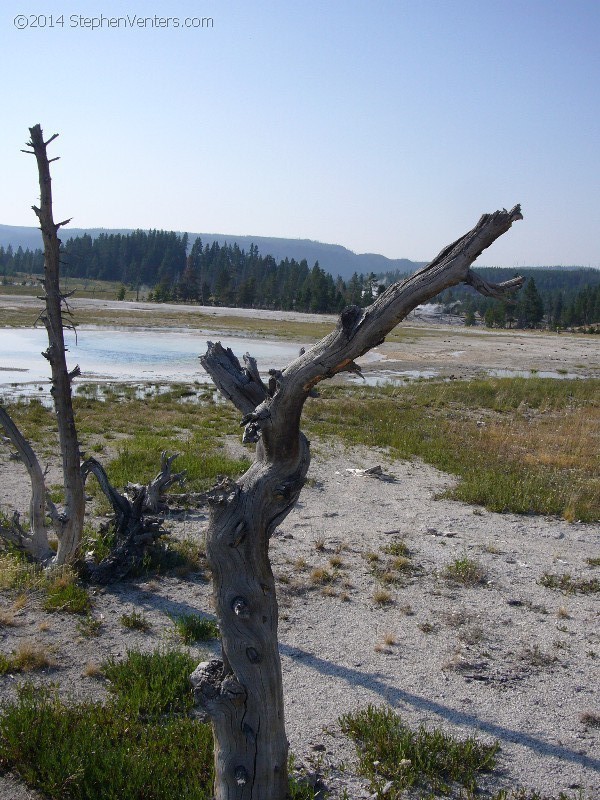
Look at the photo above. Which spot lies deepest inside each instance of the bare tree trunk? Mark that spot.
(242, 693)
(69, 523)
(35, 542)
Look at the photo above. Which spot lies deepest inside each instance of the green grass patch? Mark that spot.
(391, 752)
(194, 628)
(90, 751)
(64, 595)
(570, 585)
(139, 744)
(525, 446)
(152, 683)
(135, 621)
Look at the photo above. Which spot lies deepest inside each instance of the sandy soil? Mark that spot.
(469, 352)
(506, 660)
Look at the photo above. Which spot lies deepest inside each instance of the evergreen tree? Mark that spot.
(530, 310)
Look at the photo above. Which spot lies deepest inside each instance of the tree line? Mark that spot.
(226, 275)
(210, 274)
(553, 298)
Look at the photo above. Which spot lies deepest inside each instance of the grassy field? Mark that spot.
(520, 445)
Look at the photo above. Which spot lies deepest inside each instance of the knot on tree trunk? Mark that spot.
(349, 318)
(225, 491)
(212, 687)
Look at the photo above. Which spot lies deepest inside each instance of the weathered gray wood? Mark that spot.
(35, 541)
(154, 491)
(135, 528)
(242, 692)
(69, 522)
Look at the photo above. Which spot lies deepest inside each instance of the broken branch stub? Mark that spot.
(250, 740)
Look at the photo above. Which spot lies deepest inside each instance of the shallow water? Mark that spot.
(125, 356)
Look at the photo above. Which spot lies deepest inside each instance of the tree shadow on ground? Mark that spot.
(375, 682)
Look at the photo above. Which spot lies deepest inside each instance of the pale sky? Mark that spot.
(385, 127)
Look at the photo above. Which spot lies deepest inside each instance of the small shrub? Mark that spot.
(319, 575)
(151, 683)
(465, 571)
(135, 621)
(92, 670)
(27, 657)
(427, 627)
(89, 626)
(390, 752)
(194, 628)
(590, 718)
(534, 655)
(397, 548)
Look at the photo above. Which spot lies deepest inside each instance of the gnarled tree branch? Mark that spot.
(250, 741)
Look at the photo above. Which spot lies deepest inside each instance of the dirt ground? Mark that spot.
(506, 660)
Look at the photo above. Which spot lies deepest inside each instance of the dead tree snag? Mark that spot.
(242, 693)
(68, 524)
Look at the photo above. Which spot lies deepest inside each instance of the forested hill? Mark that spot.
(166, 268)
(333, 258)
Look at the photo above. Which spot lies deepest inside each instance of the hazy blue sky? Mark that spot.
(384, 126)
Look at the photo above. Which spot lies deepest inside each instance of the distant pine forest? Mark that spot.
(157, 265)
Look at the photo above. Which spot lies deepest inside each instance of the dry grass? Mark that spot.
(457, 617)
(536, 657)
(92, 670)
(558, 442)
(382, 597)
(8, 616)
(30, 656)
(320, 575)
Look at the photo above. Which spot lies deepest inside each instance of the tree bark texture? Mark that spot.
(35, 541)
(242, 693)
(68, 523)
